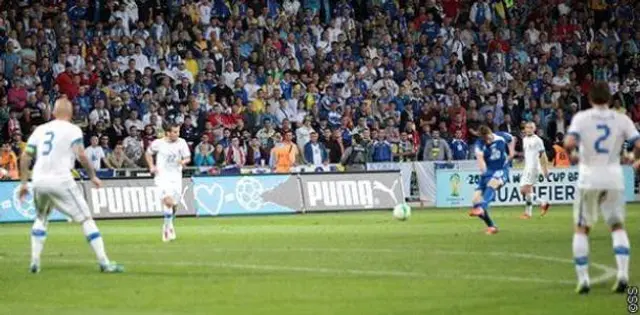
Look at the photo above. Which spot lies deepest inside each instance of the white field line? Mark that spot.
(608, 274)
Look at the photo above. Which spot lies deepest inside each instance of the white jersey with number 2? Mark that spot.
(601, 133)
(168, 157)
(54, 156)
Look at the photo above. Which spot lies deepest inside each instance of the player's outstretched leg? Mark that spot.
(97, 244)
(38, 238)
(481, 207)
(581, 259)
(543, 203)
(621, 249)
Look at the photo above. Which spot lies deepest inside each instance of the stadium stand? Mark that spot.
(414, 78)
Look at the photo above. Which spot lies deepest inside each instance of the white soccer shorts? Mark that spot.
(529, 177)
(172, 189)
(67, 198)
(590, 202)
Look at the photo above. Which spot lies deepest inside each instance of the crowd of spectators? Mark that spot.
(413, 79)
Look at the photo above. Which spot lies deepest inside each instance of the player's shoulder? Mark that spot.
(181, 141)
(582, 115)
(622, 117)
(62, 126)
(157, 142)
(502, 136)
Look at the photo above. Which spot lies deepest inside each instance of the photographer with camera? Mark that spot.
(355, 157)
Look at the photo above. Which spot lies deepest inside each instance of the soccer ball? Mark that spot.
(402, 211)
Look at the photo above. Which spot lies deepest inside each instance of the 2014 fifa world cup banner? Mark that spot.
(456, 188)
(246, 194)
(12, 209)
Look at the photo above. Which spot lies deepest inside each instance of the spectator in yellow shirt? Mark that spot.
(191, 63)
(258, 105)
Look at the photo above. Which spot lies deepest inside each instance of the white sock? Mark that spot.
(621, 250)
(38, 237)
(528, 209)
(580, 256)
(95, 240)
(168, 217)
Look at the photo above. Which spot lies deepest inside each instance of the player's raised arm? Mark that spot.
(148, 155)
(633, 137)
(25, 161)
(77, 146)
(573, 135)
(512, 147)
(544, 160)
(185, 153)
(482, 165)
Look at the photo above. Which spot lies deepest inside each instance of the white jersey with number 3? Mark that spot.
(533, 147)
(168, 157)
(54, 156)
(601, 133)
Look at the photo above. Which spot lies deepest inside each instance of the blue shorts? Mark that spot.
(485, 178)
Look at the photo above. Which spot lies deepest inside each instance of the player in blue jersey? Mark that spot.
(494, 152)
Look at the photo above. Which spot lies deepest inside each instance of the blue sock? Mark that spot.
(488, 195)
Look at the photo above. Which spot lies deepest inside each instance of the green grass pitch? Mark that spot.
(438, 262)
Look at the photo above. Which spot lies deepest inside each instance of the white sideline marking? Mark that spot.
(360, 272)
(608, 274)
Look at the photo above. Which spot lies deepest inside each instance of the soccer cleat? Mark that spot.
(583, 288)
(476, 212)
(544, 208)
(525, 216)
(620, 286)
(111, 267)
(491, 230)
(34, 268)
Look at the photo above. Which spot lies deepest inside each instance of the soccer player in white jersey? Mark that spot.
(535, 161)
(600, 134)
(56, 145)
(172, 154)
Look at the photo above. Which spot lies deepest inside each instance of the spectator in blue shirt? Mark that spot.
(459, 147)
(10, 60)
(382, 148)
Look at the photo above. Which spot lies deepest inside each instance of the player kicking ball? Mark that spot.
(56, 145)
(600, 134)
(494, 151)
(535, 159)
(172, 154)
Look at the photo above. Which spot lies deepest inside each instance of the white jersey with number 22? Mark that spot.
(601, 133)
(168, 157)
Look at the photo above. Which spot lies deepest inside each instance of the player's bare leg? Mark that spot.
(621, 249)
(531, 199)
(168, 230)
(39, 231)
(525, 190)
(581, 258)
